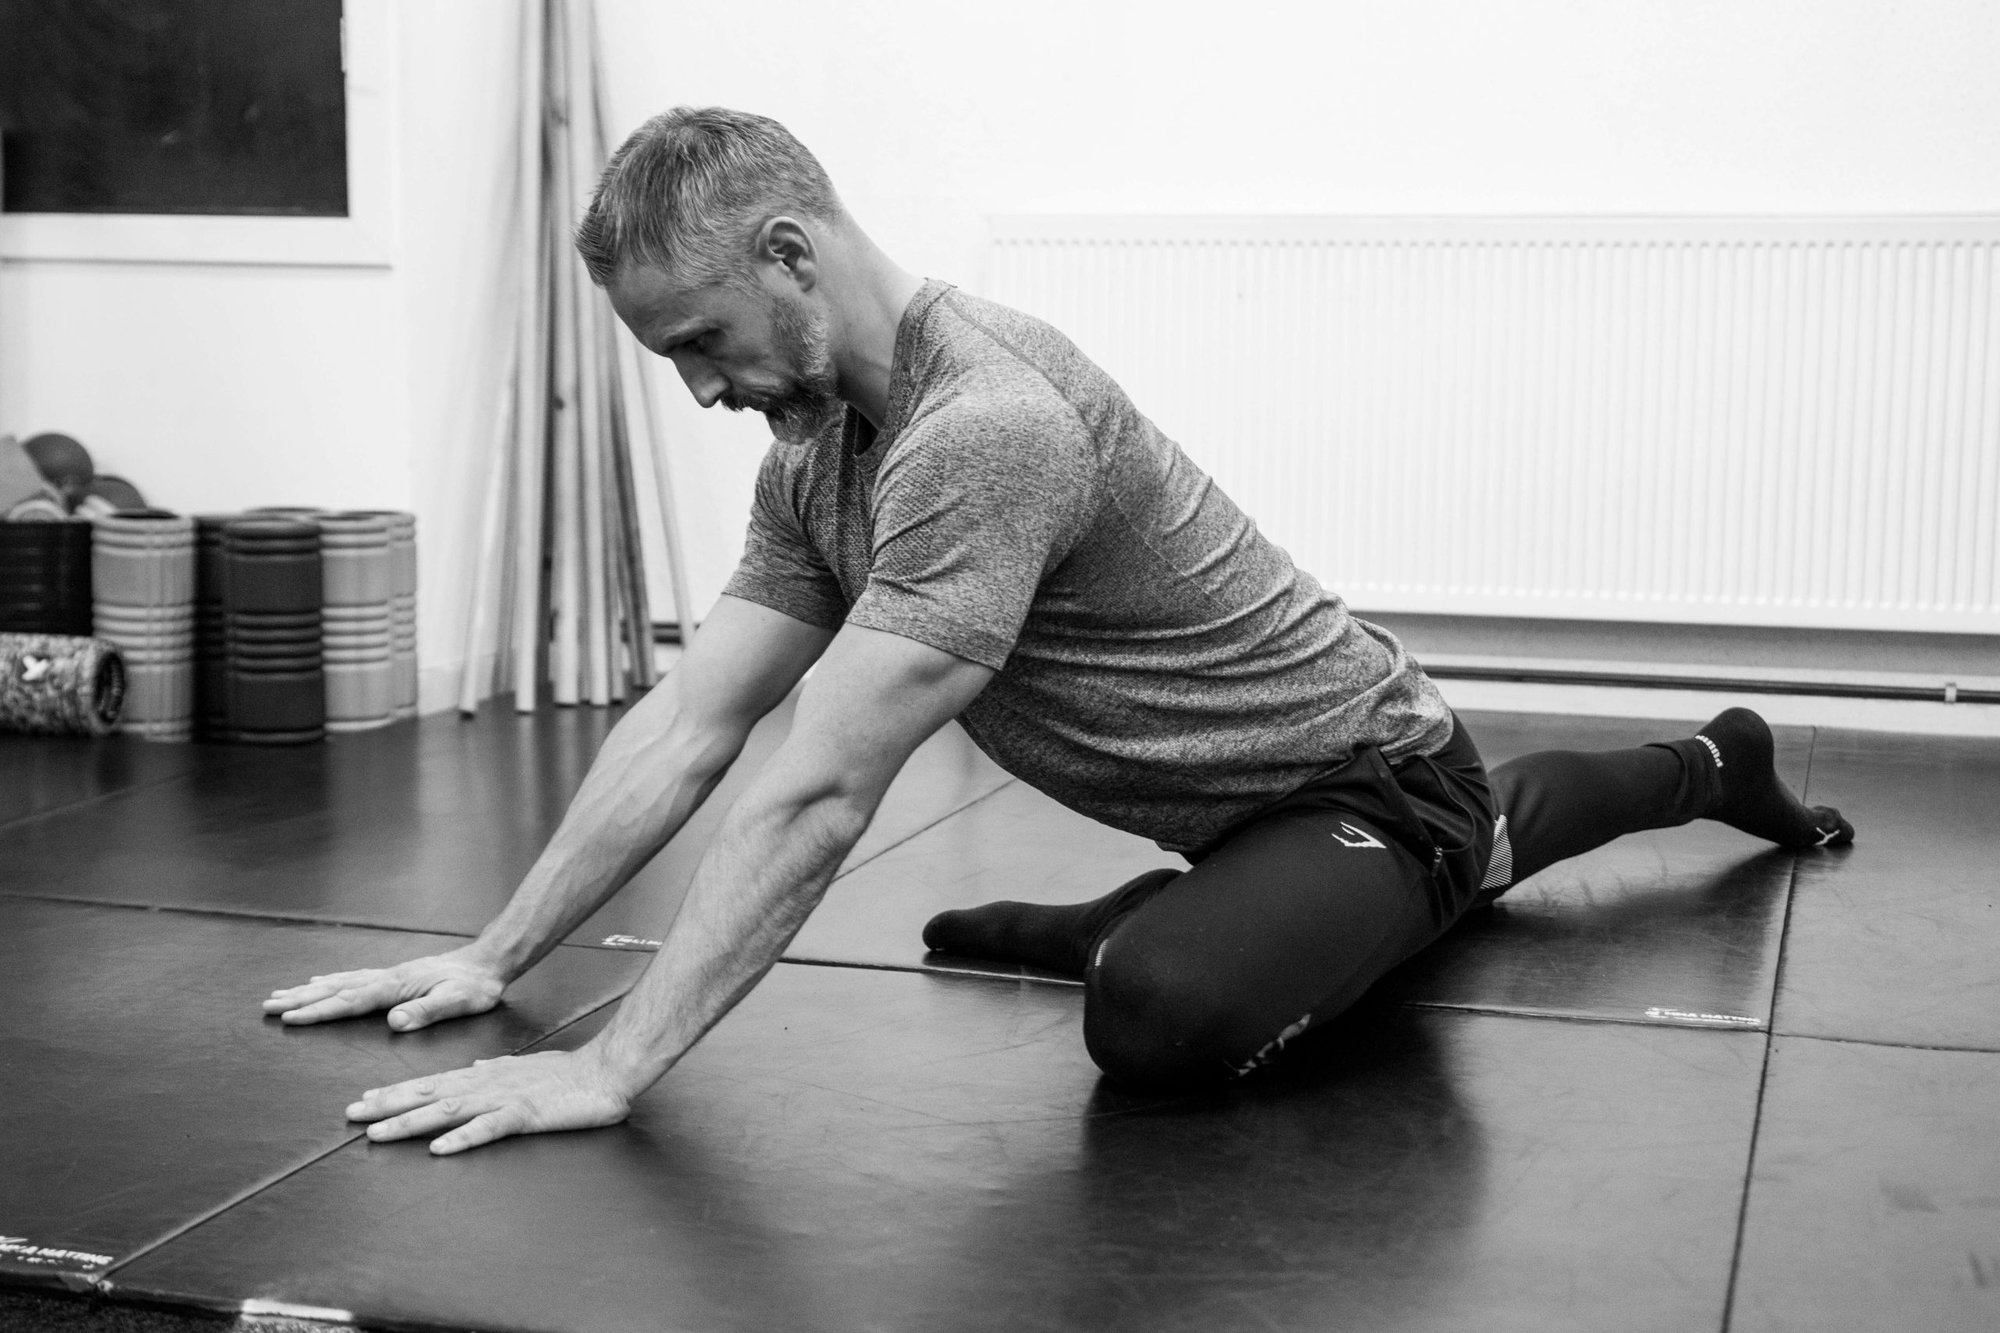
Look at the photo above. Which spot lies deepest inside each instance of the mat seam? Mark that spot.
(83, 802)
(1438, 1005)
(931, 972)
(273, 918)
(1749, 1172)
(8, 825)
(103, 1283)
(1887, 1045)
(237, 914)
(919, 832)
(1764, 1073)
(301, 919)
(555, 1032)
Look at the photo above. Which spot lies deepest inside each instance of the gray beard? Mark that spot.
(804, 413)
(813, 405)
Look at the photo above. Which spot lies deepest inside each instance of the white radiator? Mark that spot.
(1777, 421)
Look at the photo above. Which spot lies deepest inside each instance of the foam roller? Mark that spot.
(359, 619)
(142, 577)
(401, 527)
(275, 679)
(211, 629)
(60, 685)
(45, 578)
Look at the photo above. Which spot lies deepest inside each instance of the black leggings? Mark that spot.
(1292, 917)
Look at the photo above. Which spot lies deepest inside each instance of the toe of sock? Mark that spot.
(1834, 830)
(939, 931)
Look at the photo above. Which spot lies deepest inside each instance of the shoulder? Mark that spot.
(989, 372)
(973, 331)
(780, 467)
(808, 461)
(1028, 369)
(787, 476)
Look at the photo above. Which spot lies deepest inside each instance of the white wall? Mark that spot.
(217, 387)
(213, 387)
(458, 247)
(932, 117)
(220, 386)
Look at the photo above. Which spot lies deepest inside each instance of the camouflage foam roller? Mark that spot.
(60, 685)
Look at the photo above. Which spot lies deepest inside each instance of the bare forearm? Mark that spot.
(654, 771)
(877, 698)
(766, 871)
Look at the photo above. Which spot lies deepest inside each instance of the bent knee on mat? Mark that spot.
(1149, 1020)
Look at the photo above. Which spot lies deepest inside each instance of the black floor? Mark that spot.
(1682, 1083)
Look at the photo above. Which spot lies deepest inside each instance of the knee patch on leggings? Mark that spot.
(1146, 1028)
(1152, 1020)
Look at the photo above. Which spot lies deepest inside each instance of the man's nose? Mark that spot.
(703, 381)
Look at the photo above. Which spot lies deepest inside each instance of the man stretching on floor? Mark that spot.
(962, 517)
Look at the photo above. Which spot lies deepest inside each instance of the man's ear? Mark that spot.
(784, 241)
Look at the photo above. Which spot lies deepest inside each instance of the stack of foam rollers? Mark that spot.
(271, 627)
(347, 578)
(55, 679)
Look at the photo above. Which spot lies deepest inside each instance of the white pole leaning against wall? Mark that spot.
(565, 476)
(480, 625)
(580, 156)
(531, 403)
(643, 382)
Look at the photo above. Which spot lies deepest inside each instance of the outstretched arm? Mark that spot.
(655, 769)
(874, 699)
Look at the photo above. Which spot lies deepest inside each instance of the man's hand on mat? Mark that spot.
(423, 991)
(516, 1094)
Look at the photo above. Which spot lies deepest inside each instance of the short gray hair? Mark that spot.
(689, 190)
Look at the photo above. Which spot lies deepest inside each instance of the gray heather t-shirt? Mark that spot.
(1163, 667)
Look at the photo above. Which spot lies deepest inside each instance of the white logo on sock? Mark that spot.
(34, 668)
(1713, 748)
(1829, 835)
(1362, 836)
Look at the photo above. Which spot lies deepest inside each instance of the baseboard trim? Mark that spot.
(1690, 708)
(1947, 693)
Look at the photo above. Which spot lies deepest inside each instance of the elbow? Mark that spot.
(836, 811)
(821, 818)
(704, 748)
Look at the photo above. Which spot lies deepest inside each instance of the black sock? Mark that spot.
(1056, 938)
(1751, 795)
